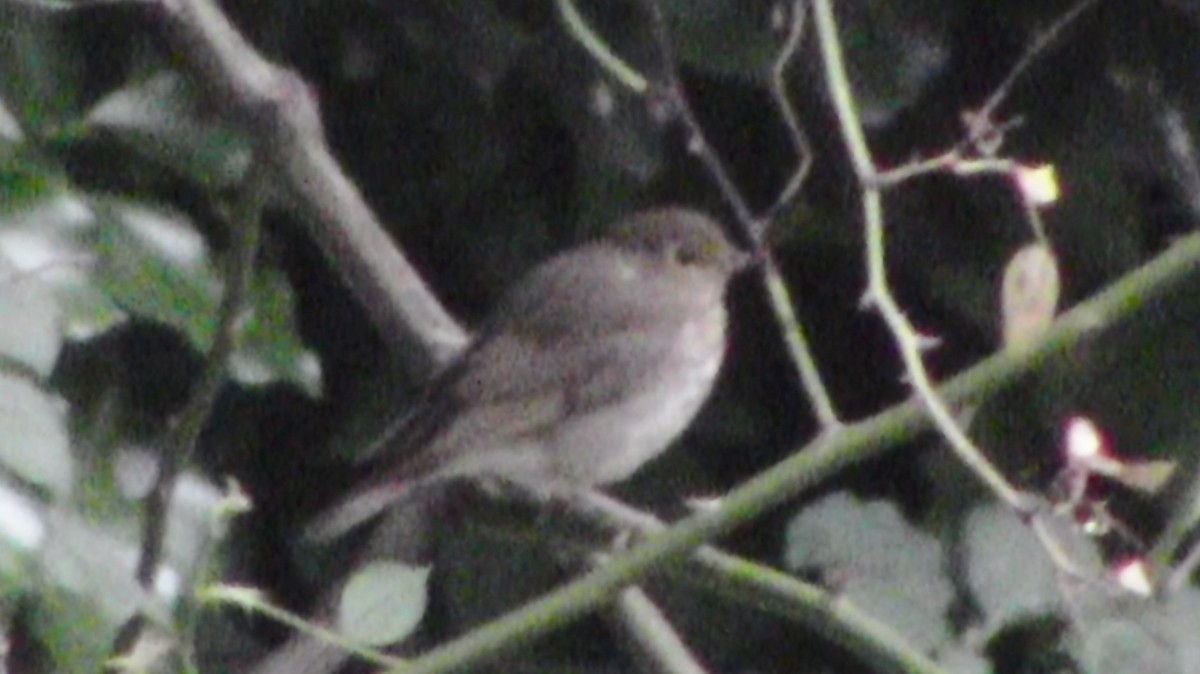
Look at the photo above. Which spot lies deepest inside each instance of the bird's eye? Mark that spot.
(685, 255)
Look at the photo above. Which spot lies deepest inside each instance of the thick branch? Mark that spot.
(277, 110)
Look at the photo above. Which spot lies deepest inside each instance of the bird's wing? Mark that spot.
(541, 358)
(537, 362)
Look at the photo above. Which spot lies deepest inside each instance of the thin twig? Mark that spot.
(753, 226)
(246, 226)
(787, 53)
(595, 45)
(250, 599)
(974, 153)
(879, 295)
(1043, 41)
(651, 635)
(766, 589)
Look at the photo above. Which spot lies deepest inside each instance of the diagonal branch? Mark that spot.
(276, 108)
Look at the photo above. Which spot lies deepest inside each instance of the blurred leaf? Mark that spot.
(383, 603)
(41, 64)
(71, 630)
(1118, 645)
(476, 37)
(1119, 633)
(34, 444)
(10, 128)
(30, 331)
(1029, 295)
(192, 525)
(47, 240)
(97, 561)
(22, 530)
(1148, 477)
(159, 117)
(1182, 616)
(26, 177)
(154, 264)
(888, 568)
(270, 349)
(1006, 568)
(961, 659)
(892, 52)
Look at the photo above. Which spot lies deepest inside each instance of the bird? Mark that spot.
(586, 369)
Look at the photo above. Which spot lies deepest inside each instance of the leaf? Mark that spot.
(1029, 295)
(30, 331)
(269, 348)
(159, 117)
(1183, 614)
(1115, 634)
(1006, 568)
(22, 530)
(41, 60)
(154, 264)
(383, 603)
(1119, 645)
(892, 53)
(70, 629)
(49, 241)
(34, 444)
(888, 568)
(92, 561)
(10, 128)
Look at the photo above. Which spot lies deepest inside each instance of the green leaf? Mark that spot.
(28, 180)
(22, 532)
(885, 566)
(269, 348)
(49, 241)
(42, 68)
(30, 330)
(160, 119)
(1006, 567)
(71, 630)
(1120, 645)
(96, 562)
(34, 444)
(10, 128)
(383, 603)
(154, 264)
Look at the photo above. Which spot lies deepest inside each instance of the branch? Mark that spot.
(912, 345)
(246, 227)
(752, 227)
(276, 109)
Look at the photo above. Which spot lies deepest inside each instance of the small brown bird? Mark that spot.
(588, 368)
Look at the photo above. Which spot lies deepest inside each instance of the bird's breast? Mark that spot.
(658, 407)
